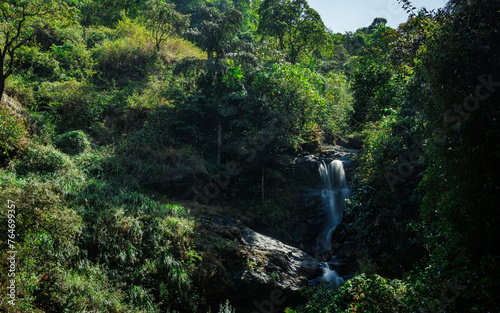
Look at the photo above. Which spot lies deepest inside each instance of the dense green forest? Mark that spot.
(136, 136)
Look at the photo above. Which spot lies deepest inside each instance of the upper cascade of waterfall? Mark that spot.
(332, 174)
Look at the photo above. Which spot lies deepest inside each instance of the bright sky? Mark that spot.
(348, 15)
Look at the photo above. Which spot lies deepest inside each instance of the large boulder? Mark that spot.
(261, 273)
(276, 274)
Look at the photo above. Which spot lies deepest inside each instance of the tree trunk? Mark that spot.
(219, 139)
(263, 190)
(2, 87)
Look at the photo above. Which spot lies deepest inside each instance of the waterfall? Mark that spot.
(334, 193)
(331, 276)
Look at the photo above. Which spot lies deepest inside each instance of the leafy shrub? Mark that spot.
(82, 290)
(141, 298)
(383, 210)
(44, 159)
(74, 59)
(305, 100)
(36, 64)
(19, 87)
(129, 58)
(372, 293)
(56, 59)
(94, 162)
(226, 308)
(39, 209)
(97, 35)
(75, 104)
(73, 142)
(42, 124)
(136, 236)
(363, 293)
(13, 134)
(45, 231)
(178, 49)
(105, 12)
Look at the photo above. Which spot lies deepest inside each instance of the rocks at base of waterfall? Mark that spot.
(275, 266)
(260, 267)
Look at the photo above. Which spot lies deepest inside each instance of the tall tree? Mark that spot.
(296, 26)
(215, 37)
(377, 84)
(217, 31)
(463, 180)
(19, 20)
(163, 20)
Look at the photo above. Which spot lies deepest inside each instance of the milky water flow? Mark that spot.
(331, 276)
(334, 193)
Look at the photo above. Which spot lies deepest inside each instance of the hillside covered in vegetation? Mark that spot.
(157, 156)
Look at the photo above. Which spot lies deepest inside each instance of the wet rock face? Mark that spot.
(305, 168)
(303, 172)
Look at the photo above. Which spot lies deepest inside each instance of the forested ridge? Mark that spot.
(139, 139)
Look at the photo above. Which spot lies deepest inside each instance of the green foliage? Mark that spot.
(43, 159)
(216, 32)
(460, 207)
(45, 230)
(297, 26)
(431, 86)
(74, 104)
(13, 134)
(19, 21)
(304, 99)
(140, 239)
(55, 54)
(372, 293)
(129, 58)
(226, 308)
(362, 293)
(163, 21)
(95, 35)
(83, 289)
(165, 91)
(92, 237)
(385, 207)
(377, 86)
(41, 210)
(108, 12)
(74, 142)
(141, 298)
(333, 56)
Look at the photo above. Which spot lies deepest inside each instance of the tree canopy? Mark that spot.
(163, 21)
(296, 26)
(117, 121)
(19, 21)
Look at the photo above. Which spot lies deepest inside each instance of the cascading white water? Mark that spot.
(334, 193)
(331, 276)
